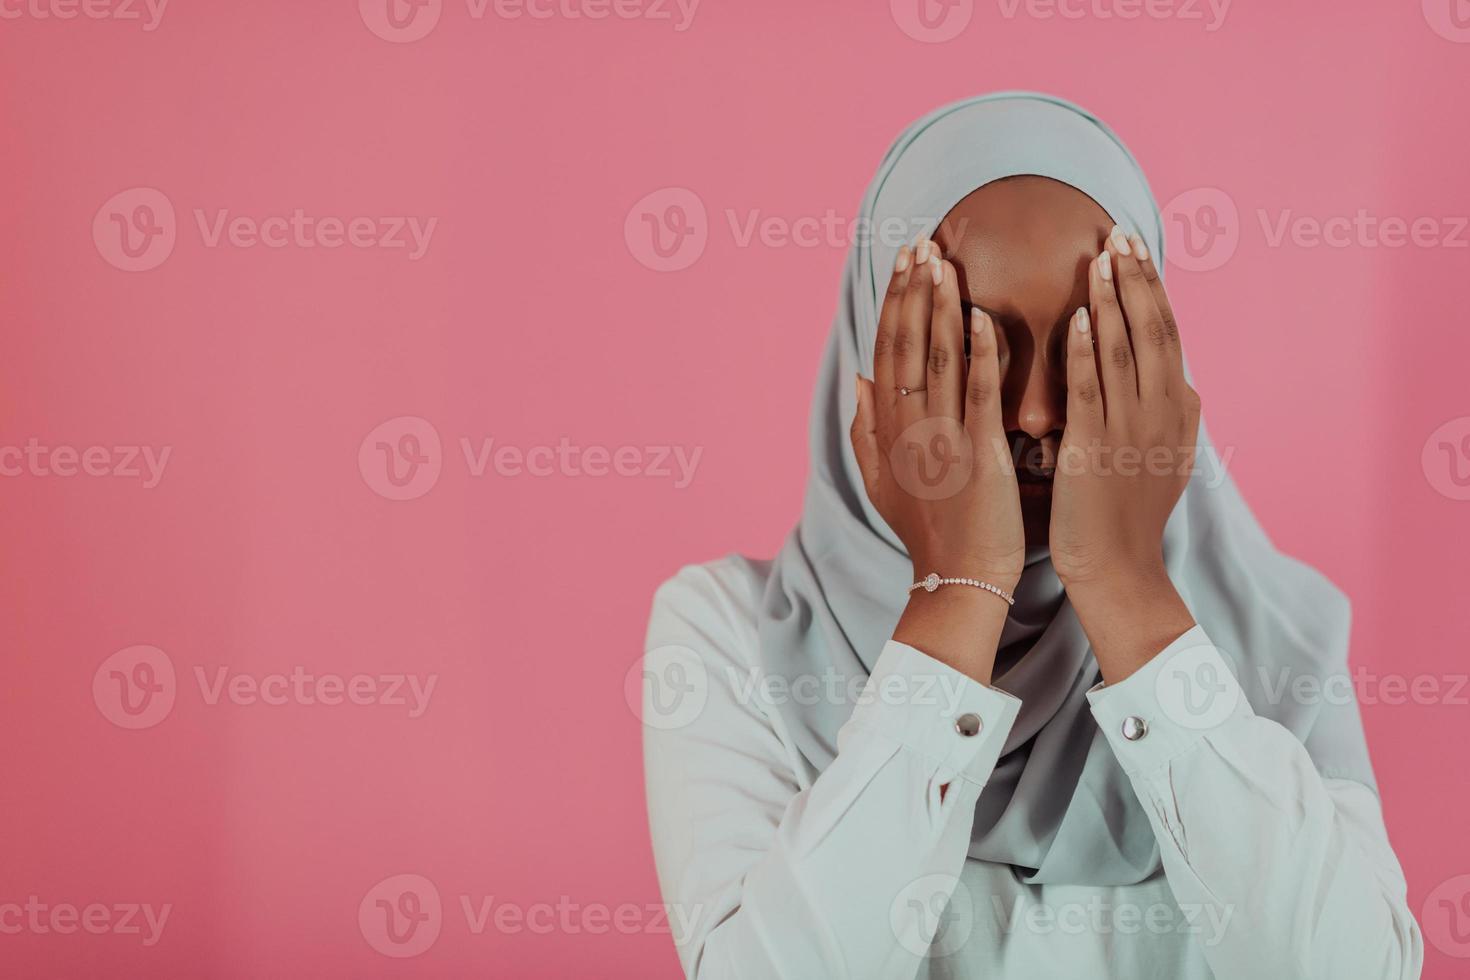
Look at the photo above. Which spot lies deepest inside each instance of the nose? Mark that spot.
(1037, 402)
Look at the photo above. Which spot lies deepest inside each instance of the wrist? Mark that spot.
(1120, 581)
(958, 625)
(1128, 619)
(1003, 577)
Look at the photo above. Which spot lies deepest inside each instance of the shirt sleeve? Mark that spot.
(1297, 865)
(845, 876)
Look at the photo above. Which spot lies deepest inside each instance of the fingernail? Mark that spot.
(857, 386)
(1083, 324)
(902, 262)
(1105, 266)
(1120, 241)
(938, 269)
(1140, 247)
(922, 252)
(977, 321)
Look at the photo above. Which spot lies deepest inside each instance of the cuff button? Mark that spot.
(1134, 728)
(968, 725)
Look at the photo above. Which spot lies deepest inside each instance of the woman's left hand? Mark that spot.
(1126, 454)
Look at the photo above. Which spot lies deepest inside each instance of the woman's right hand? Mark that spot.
(935, 461)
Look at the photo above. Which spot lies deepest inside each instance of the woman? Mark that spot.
(1036, 720)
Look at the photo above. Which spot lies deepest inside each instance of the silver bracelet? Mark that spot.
(932, 581)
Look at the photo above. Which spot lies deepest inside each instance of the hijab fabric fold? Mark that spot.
(1058, 808)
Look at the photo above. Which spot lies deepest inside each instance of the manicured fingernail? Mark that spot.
(1083, 324)
(1120, 241)
(857, 384)
(921, 254)
(1105, 266)
(977, 321)
(902, 262)
(938, 269)
(1140, 248)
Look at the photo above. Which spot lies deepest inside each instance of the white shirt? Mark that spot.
(1269, 870)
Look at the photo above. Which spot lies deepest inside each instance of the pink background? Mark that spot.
(533, 318)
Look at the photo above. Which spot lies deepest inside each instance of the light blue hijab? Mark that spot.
(1058, 808)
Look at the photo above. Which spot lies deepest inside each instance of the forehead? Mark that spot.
(1023, 243)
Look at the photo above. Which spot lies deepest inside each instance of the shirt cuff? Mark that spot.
(1183, 694)
(953, 721)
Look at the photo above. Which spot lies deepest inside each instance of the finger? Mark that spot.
(947, 348)
(888, 319)
(1003, 362)
(1085, 416)
(865, 437)
(1114, 353)
(911, 338)
(1145, 326)
(1176, 380)
(982, 386)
